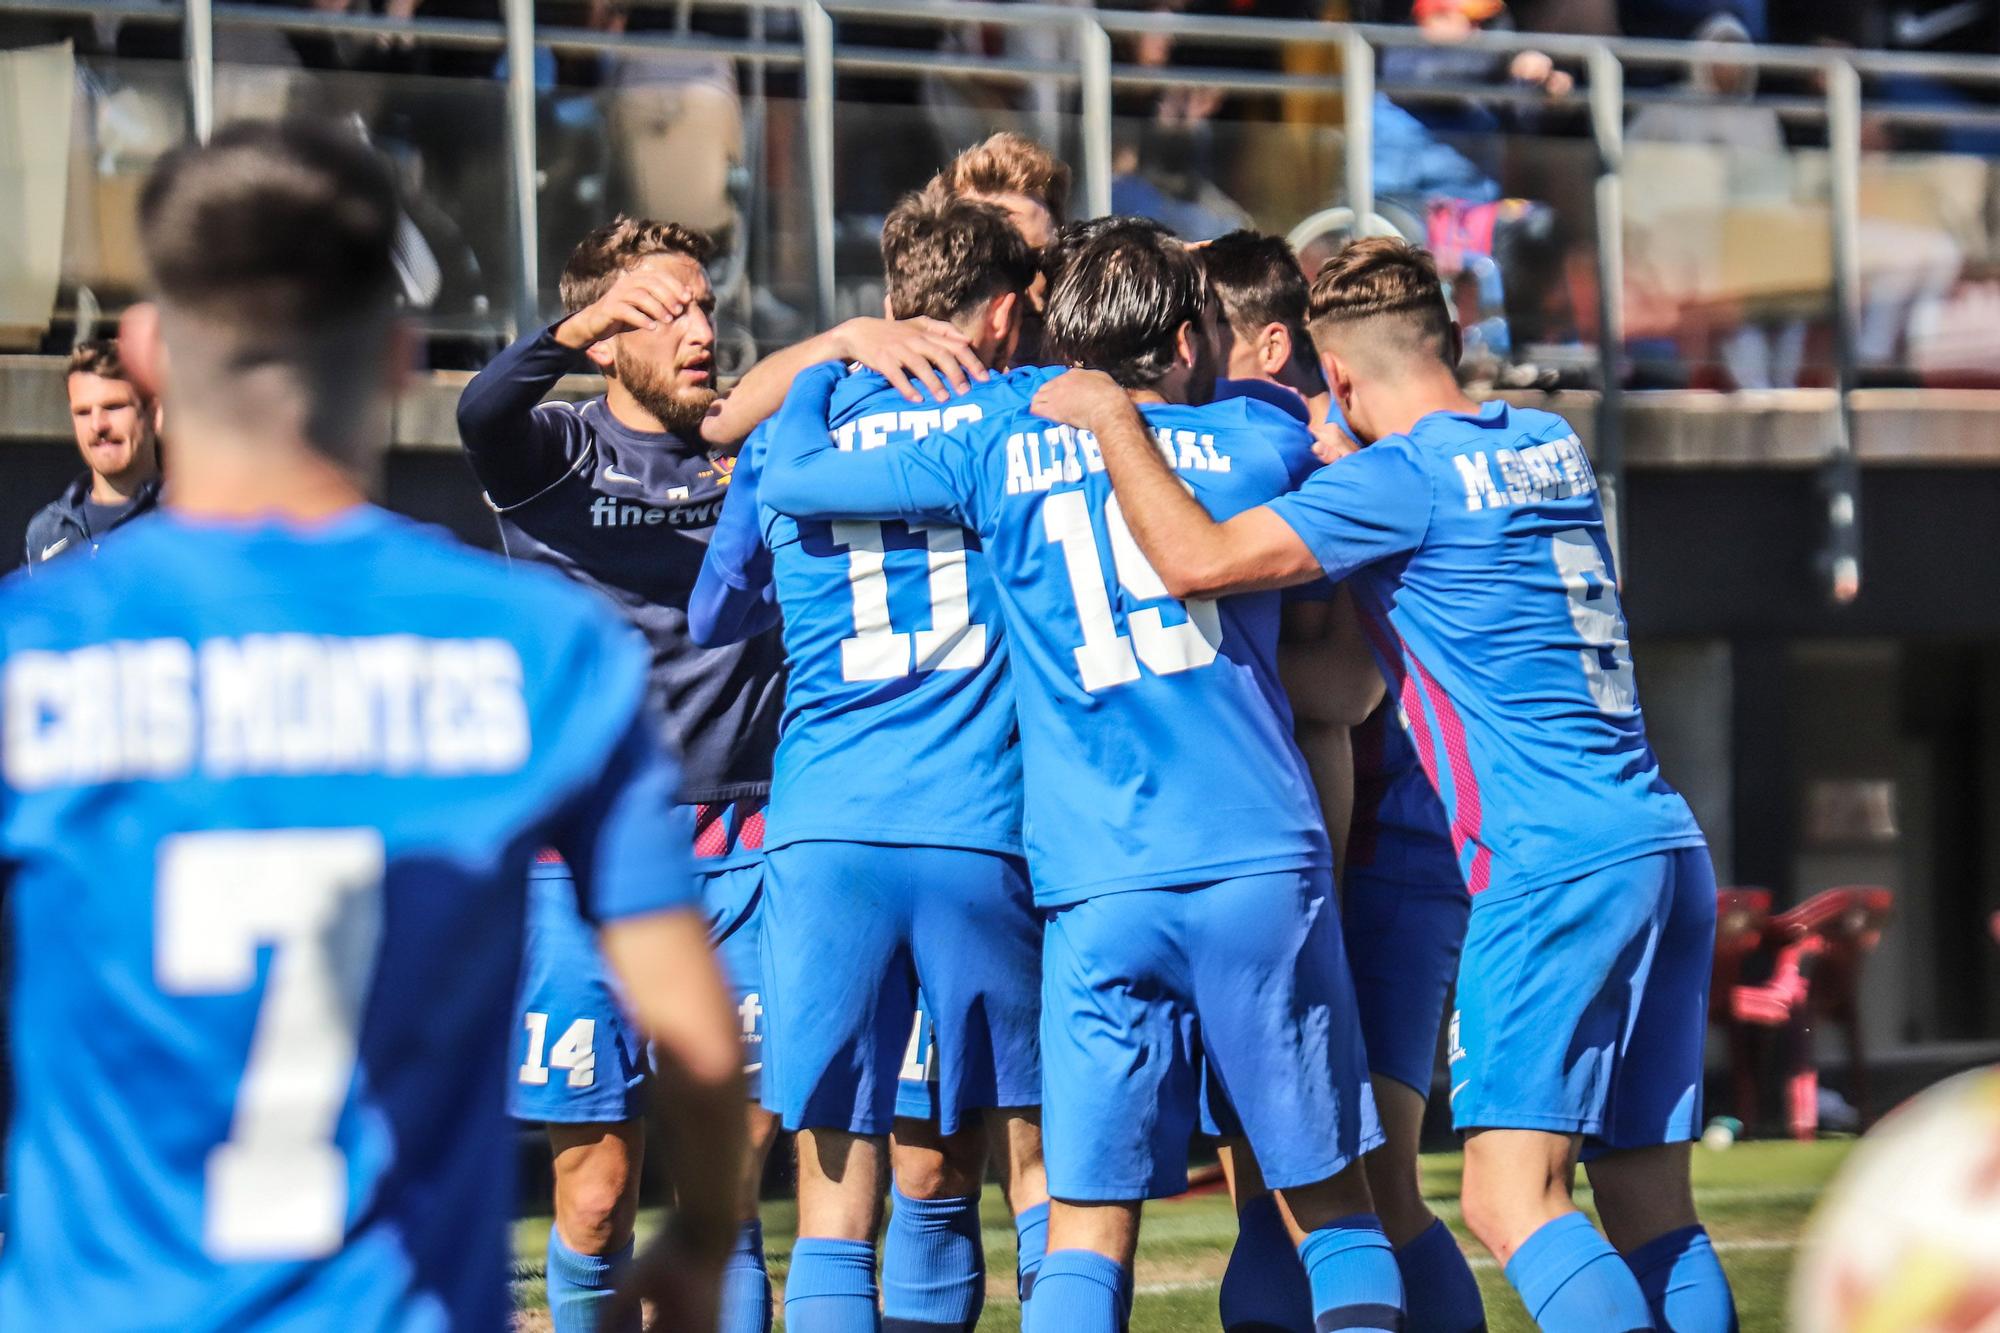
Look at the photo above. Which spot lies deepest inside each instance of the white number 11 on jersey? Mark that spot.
(878, 651)
(277, 1187)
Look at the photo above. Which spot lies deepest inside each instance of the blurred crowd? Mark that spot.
(1484, 156)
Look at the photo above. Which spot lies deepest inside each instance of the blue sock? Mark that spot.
(1684, 1284)
(1264, 1289)
(933, 1265)
(1355, 1284)
(580, 1285)
(1440, 1294)
(1080, 1291)
(746, 1286)
(831, 1288)
(1031, 1244)
(1572, 1281)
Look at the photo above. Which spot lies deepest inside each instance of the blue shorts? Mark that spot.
(1402, 947)
(582, 1060)
(851, 932)
(1157, 1003)
(1582, 1007)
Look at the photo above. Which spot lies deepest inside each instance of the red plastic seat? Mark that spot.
(1837, 930)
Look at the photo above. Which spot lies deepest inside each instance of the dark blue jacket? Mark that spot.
(62, 526)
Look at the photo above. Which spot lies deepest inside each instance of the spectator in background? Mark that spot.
(1437, 167)
(117, 434)
(1411, 159)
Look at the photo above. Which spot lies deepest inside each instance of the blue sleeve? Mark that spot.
(628, 841)
(1295, 450)
(734, 598)
(807, 477)
(1264, 391)
(1367, 507)
(519, 447)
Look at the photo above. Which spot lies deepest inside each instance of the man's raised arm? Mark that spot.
(1194, 555)
(917, 356)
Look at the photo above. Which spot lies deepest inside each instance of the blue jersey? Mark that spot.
(1481, 569)
(1399, 833)
(899, 714)
(1155, 737)
(270, 796)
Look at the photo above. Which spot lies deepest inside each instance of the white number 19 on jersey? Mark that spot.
(1106, 657)
(276, 1188)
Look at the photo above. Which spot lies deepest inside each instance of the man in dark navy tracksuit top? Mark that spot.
(621, 494)
(117, 433)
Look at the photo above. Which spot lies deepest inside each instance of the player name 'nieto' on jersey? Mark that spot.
(276, 704)
(1550, 470)
(1041, 460)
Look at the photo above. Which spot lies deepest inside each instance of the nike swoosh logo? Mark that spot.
(1455, 1091)
(751, 1069)
(1923, 29)
(53, 547)
(613, 474)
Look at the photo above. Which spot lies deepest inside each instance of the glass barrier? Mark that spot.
(1728, 253)
(675, 137)
(445, 137)
(124, 115)
(1930, 284)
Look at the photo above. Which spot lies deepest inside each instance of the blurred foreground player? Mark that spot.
(1474, 544)
(310, 748)
(894, 842)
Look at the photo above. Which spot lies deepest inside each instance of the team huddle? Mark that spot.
(989, 699)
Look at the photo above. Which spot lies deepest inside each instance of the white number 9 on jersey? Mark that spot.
(1599, 620)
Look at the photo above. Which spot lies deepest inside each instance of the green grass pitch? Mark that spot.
(1754, 1198)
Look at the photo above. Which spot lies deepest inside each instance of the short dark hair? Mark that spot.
(611, 249)
(1259, 282)
(100, 357)
(272, 224)
(1119, 296)
(1009, 163)
(944, 255)
(1390, 286)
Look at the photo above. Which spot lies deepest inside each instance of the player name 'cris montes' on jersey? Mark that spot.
(264, 704)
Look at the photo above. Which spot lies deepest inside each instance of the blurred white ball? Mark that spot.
(1907, 1239)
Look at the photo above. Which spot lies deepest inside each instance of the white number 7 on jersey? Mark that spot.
(277, 1187)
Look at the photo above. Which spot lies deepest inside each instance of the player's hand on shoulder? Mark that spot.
(928, 351)
(1331, 443)
(639, 299)
(1079, 398)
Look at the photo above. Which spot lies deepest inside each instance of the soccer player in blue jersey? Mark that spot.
(1474, 542)
(1154, 994)
(620, 494)
(1403, 908)
(271, 773)
(894, 834)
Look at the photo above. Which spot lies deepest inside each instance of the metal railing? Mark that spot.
(818, 56)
